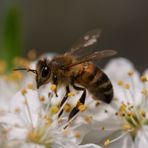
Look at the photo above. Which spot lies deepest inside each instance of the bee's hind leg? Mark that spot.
(63, 100)
(75, 110)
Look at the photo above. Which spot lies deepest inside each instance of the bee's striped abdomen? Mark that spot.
(97, 83)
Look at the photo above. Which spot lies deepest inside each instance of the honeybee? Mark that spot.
(81, 72)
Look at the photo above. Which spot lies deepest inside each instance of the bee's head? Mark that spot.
(43, 72)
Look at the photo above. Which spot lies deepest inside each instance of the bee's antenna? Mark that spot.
(26, 69)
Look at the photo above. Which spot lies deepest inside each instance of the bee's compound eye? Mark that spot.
(45, 71)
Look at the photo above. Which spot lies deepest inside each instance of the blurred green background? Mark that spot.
(52, 26)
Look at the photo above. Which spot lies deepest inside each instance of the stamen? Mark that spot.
(78, 134)
(120, 83)
(143, 114)
(53, 87)
(81, 107)
(144, 91)
(67, 107)
(107, 142)
(24, 91)
(42, 98)
(88, 119)
(71, 94)
(143, 78)
(131, 73)
(54, 109)
(126, 127)
(30, 86)
(127, 86)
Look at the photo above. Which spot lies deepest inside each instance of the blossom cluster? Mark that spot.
(34, 118)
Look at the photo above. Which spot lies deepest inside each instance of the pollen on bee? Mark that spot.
(107, 142)
(143, 78)
(120, 83)
(53, 87)
(23, 91)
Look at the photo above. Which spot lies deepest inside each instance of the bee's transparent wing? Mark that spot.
(87, 41)
(95, 56)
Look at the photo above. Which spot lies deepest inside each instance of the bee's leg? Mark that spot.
(55, 82)
(75, 110)
(64, 99)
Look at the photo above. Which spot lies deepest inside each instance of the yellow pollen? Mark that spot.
(130, 113)
(88, 119)
(54, 109)
(23, 91)
(126, 127)
(98, 103)
(42, 98)
(48, 120)
(71, 94)
(32, 54)
(122, 107)
(20, 62)
(130, 73)
(3, 66)
(143, 78)
(127, 86)
(107, 142)
(144, 91)
(30, 86)
(67, 107)
(82, 107)
(17, 110)
(34, 136)
(143, 114)
(77, 134)
(15, 76)
(120, 83)
(66, 132)
(53, 87)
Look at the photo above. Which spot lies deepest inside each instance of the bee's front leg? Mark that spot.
(64, 99)
(55, 84)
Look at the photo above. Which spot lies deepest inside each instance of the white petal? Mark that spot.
(90, 146)
(141, 140)
(28, 106)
